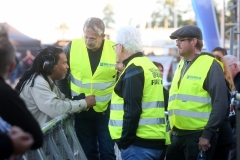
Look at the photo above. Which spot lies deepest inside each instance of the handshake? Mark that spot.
(90, 100)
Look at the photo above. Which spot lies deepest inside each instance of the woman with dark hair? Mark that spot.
(219, 50)
(160, 67)
(37, 87)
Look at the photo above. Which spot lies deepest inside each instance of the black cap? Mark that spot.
(187, 31)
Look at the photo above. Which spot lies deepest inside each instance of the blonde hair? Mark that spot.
(226, 71)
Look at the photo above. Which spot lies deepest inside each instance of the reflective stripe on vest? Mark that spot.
(101, 83)
(189, 104)
(152, 119)
(189, 113)
(99, 86)
(186, 98)
(145, 105)
(142, 121)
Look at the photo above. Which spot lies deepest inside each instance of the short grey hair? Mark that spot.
(94, 24)
(231, 59)
(130, 38)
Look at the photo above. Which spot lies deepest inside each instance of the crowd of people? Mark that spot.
(117, 97)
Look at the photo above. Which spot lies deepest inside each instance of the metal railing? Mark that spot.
(234, 28)
(60, 141)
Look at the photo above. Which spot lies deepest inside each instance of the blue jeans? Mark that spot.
(93, 134)
(140, 153)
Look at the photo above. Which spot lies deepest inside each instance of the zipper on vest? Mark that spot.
(182, 73)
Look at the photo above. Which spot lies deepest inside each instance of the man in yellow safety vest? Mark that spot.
(197, 98)
(137, 121)
(92, 71)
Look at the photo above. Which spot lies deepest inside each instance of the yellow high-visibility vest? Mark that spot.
(116, 115)
(152, 120)
(189, 105)
(101, 83)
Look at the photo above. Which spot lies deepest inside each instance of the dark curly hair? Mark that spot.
(37, 68)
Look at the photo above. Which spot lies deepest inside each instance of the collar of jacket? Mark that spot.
(138, 54)
(198, 55)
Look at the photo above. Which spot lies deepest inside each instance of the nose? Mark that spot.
(67, 66)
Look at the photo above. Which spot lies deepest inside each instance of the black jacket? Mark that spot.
(236, 81)
(14, 111)
(225, 136)
(130, 88)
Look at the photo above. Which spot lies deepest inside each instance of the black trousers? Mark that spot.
(222, 152)
(186, 147)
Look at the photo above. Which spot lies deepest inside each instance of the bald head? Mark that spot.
(233, 64)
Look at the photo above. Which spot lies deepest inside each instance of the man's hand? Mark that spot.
(21, 140)
(203, 144)
(90, 101)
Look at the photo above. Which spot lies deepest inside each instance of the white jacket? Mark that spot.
(45, 104)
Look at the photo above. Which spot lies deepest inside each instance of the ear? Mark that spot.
(11, 67)
(121, 48)
(194, 41)
(103, 36)
(54, 68)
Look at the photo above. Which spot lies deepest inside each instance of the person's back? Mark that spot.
(137, 121)
(12, 108)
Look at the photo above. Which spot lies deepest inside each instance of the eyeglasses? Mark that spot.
(181, 40)
(89, 39)
(114, 46)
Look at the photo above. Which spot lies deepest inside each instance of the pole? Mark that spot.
(175, 25)
(231, 40)
(238, 28)
(223, 24)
